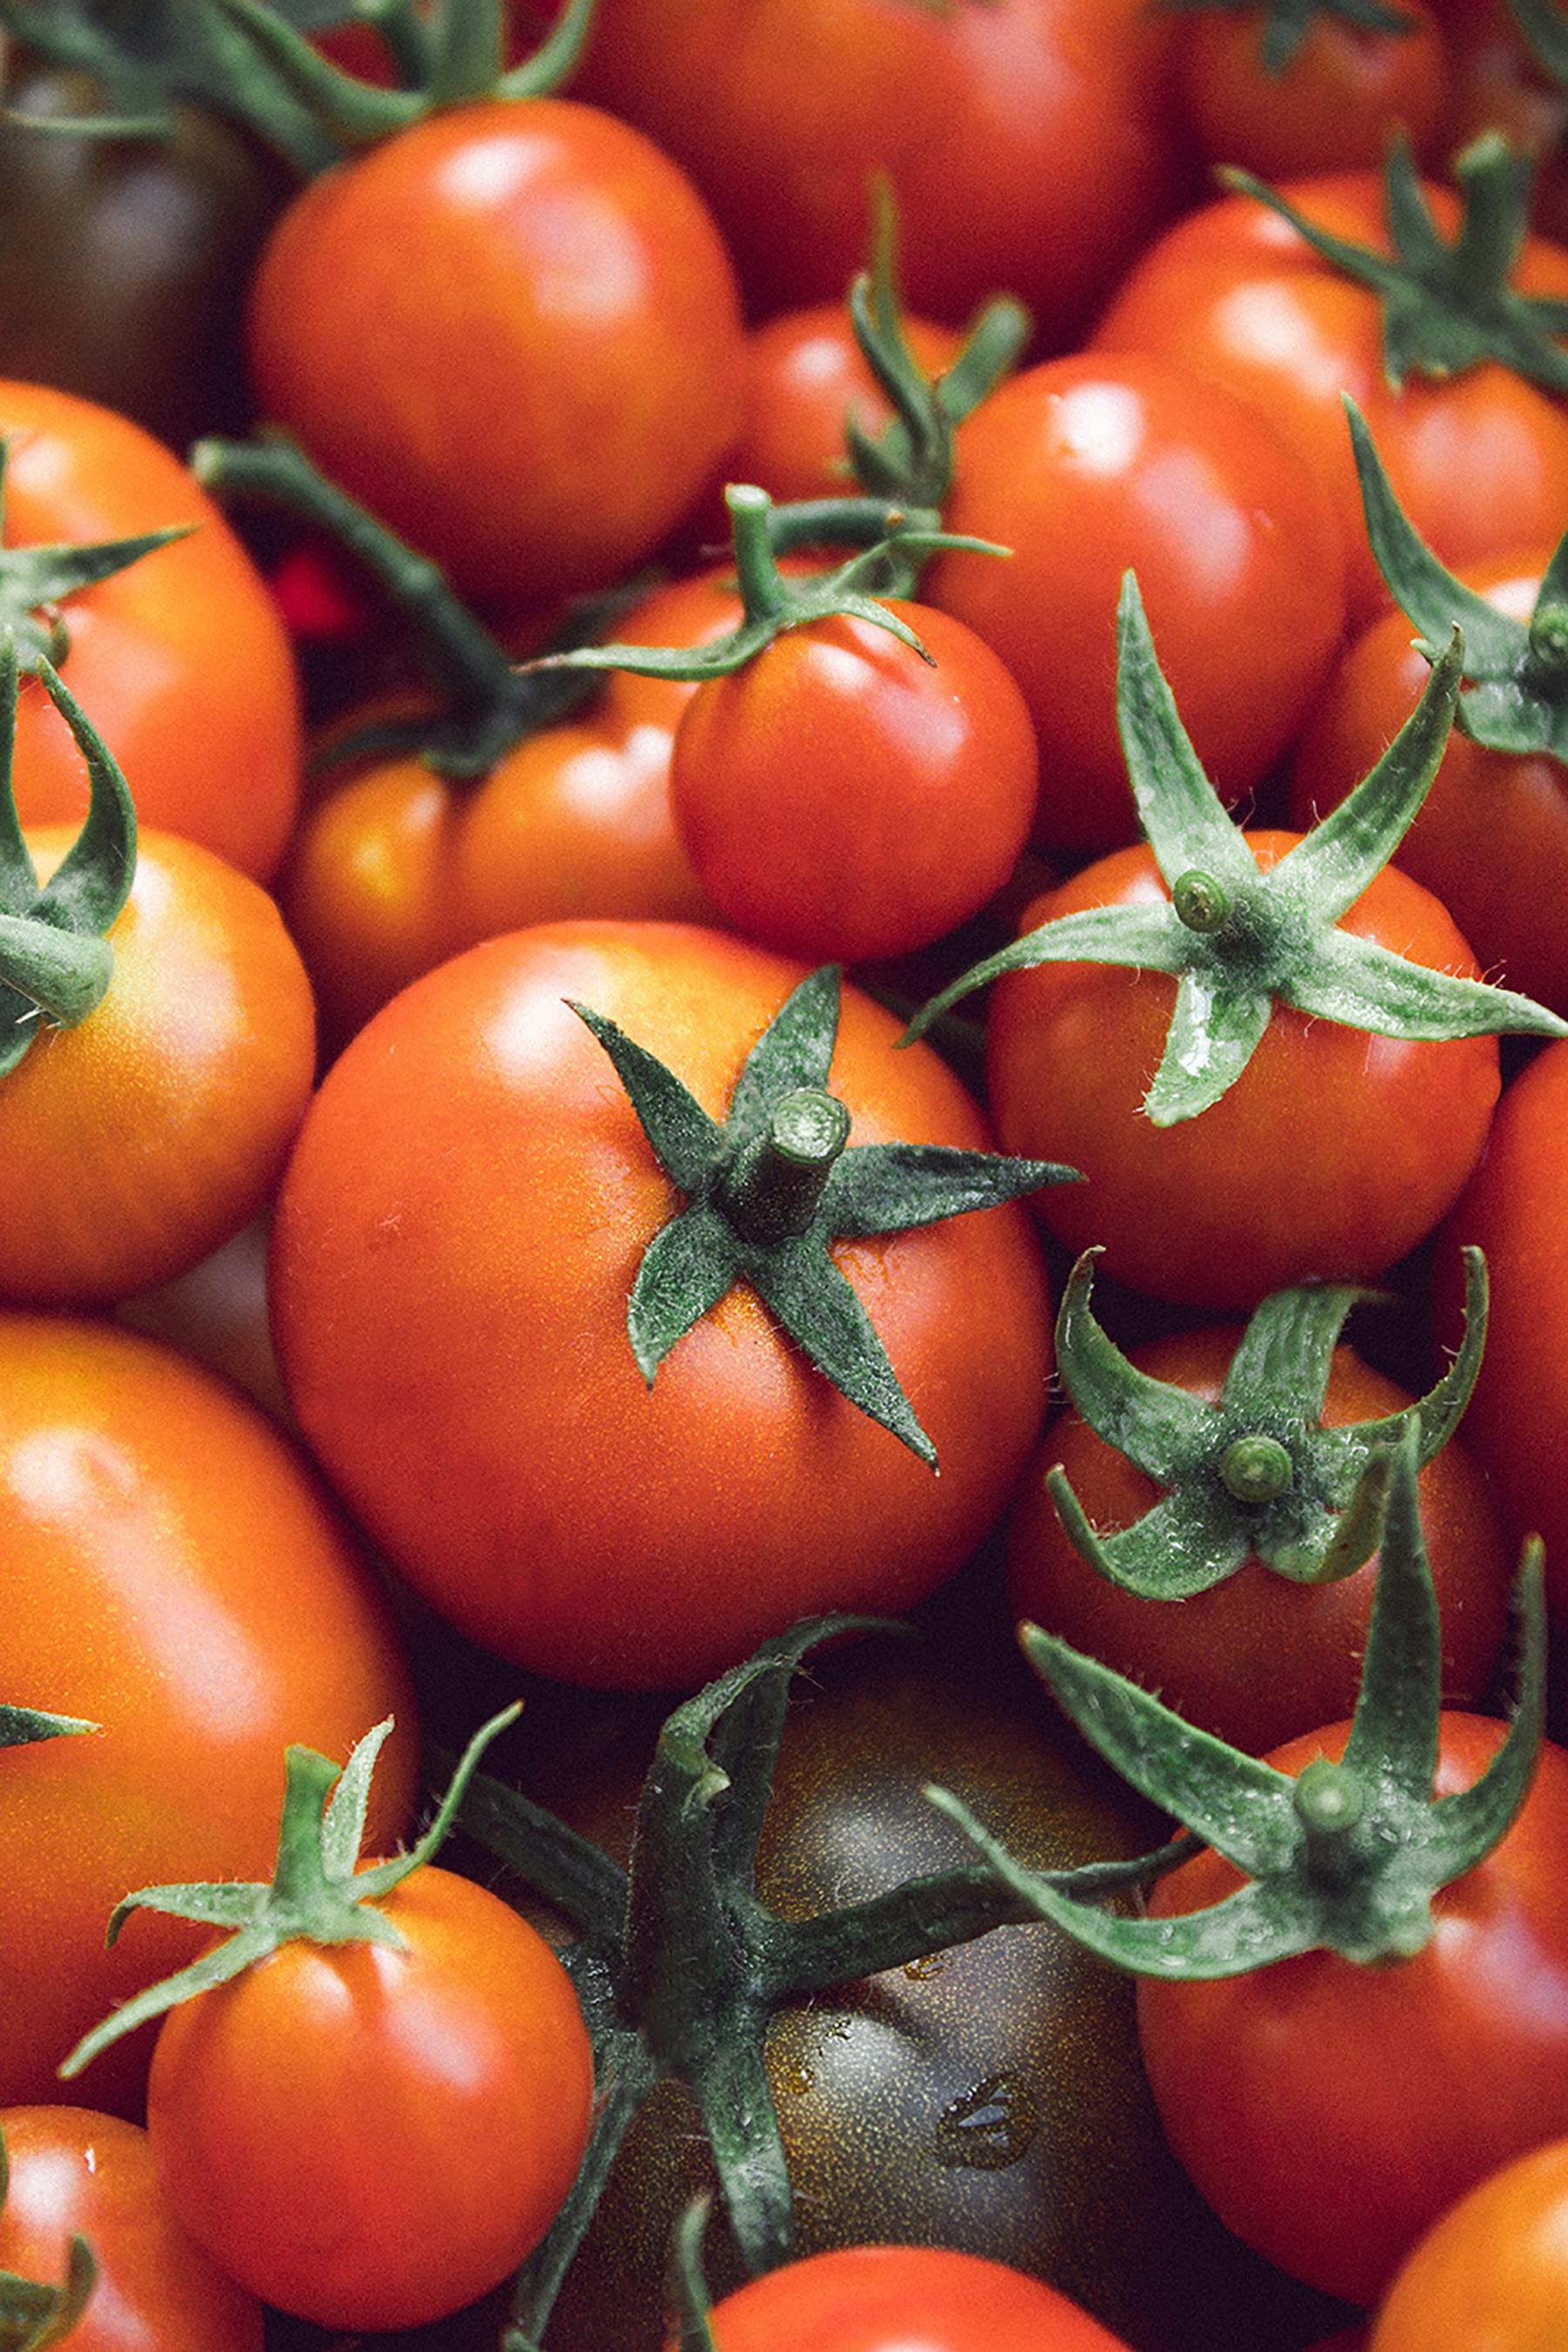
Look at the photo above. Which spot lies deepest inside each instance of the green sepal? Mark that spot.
(1545, 31)
(1446, 307)
(315, 1893)
(1287, 23)
(688, 2294)
(1345, 1858)
(33, 2317)
(23, 1726)
(35, 581)
(774, 1185)
(1238, 939)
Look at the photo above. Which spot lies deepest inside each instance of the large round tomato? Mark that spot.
(512, 332)
(372, 2136)
(880, 2298)
(180, 660)
(1329, 2111)
(455, 1243)
(1493, 2271)
(74, 2173)
(173, 1576)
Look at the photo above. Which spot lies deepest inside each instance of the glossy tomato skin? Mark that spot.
(843, 797)
(806, 373)
(875, 2298)
(180, 661)
(149, 1134)
(1490, 838)
(456, 1239)
(1333, 1153)
(582, 283)
(173, 1575)
(1493, 2270)
(1086, 466)
(1478, 460)
(1329, 2112)
(373, 2137)
(74, 2172)
(1257, 1658)
(1333, 108)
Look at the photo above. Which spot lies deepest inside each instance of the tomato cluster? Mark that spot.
(780, 785)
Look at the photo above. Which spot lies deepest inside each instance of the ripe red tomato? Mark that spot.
(1333, 1153)
(455, 1243)
(804, 374)
(1493, 2270)
(173, 1575)
(884, 2298)
(1331, 109)
(1329, 2112)
(512, 332)
(371, 2137)
(75, 2173)
(180, 661)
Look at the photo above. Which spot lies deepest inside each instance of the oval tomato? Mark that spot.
(880, 2298)
(1493, 2271)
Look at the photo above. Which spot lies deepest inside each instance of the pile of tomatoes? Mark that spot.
(424, 1280)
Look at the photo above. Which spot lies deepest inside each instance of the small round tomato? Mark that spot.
(1332, 108)
(805, 376)
(370, 2134)
(882, 2298)
(1493, 2271)
(75, 2173)
(842, 797)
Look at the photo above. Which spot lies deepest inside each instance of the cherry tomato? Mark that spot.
(1493, 2271)
(73, 2173)
(806, 373)
(173, 1575)
(882, 2298)
(1333, 108)
(369, 2136)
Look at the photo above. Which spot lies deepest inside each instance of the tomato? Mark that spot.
(1493, 2270)
(1025, 144)
(172, 1574)
(180, 660)
(455, 1241)
(880, 2298)
(1329, 2112)
(1331, 109)
(1086, 466)
(72, 2173)
(1333, 1153)
(806, 373)
(1491, 837)
(1478, 459)
(841, 798)
(582, 281)
(1258, 1657)
(368, 2135)
(139, 1140)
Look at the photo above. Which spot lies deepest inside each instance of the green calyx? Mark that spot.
(315, 1893)
(23, 1726)
(1349, 1857)
(35, 582)
(33, 2317)
(1545, 32)
(1285, 23)
(688, 2286)
(55, 962)
(1516, 672)
(770, 1188)
(1447, 306)
(1237, 939)
(1258, 1474)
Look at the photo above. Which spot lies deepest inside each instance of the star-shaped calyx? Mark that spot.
(1285, 23)
(1236, 938)
(1257, 1475)
(771, 1186)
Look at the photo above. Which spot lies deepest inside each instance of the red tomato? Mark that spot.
(455, 1243)
(1333, 1153)
(1085, 467)
(512, 331)
(841, 798)
(806, 373)
(180, 661)
(1333, 108)
(1478, 460)
(74, 2173)
(173, 1575)
(371, 2137)
(889, 2298)
(1329, 2112)
(1493, 2271)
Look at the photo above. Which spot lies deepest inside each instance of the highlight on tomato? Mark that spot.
(1493, 2270)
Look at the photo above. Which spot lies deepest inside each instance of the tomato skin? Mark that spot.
(150, 1133)
(1492, 2271)
(1479, 461)
(180, 661)
(1334, 106)
(371, 2138)
(173, 1574)
(841, 799)
(580, 424)
(1490, 838)
(1257, 1658)
(874, 2298)
(1331, 2112)
(74, 2172)
(1083, 467)
(455, 1243)
(806, 373)
(1333, 1153)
